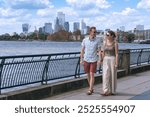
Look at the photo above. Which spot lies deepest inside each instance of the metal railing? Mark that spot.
(30, 69)
(139, 56)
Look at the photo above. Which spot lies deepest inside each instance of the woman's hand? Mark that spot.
(81, 62)
(116, 65)
(99, 62)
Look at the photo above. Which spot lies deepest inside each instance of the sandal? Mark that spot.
(89, 92)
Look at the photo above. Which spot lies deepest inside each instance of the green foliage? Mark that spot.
(62, 35)
(130, 37)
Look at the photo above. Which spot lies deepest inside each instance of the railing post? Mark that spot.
(1, 69)
(149, 59)
(139, 58)
(126, 61)
(77, 71)
(45, 71)
(120, 57)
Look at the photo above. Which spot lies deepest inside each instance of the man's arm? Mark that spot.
(81, 55)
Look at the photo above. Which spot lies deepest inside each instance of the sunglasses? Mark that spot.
(107, 35)
(94, 32)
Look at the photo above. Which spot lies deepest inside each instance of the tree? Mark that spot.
(15, 36)
(42, 36)
(61, 35)
(130, 37)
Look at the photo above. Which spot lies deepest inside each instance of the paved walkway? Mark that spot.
(135, 86)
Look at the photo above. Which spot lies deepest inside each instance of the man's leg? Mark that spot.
(87, 70)
(93, 67)
(88, 78)
(92, 80)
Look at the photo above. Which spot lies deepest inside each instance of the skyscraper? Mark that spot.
(83, 27)
(48, 28)
(66, 26)
(25, 28)
(76, 26)
(59, 22)
(61, 18)
(57, 26)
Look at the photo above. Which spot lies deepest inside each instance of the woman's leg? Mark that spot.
(113, 76)
(106, 76)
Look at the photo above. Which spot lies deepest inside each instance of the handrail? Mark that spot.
(40, 68)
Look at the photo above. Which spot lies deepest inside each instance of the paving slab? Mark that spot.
(134, 87)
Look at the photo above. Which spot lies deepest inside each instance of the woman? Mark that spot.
(110, 64)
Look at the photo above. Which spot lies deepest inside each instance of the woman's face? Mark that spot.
(108, 36)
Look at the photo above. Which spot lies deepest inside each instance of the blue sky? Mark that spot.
(100, 13)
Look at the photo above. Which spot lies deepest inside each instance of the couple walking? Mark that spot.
(108, 57)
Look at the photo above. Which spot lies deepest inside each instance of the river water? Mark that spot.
(9, 48)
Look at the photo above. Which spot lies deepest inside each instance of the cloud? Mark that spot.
(127, 17)
(144, 4)
(13, 13)
(69, 11)
(9, 13)
(88, 4)
(46, 12)
(27, 4)
(126, 11)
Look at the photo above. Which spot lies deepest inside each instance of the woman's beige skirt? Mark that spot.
(109, 75)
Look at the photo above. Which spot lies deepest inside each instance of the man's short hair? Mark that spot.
(93, 27)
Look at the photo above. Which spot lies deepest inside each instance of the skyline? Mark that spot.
(103, 14)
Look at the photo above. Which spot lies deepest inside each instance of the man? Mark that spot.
(90, 47)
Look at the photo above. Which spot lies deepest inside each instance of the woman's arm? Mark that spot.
(116, 54)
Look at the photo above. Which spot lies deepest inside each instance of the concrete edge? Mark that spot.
(48, 90)
(138, 69)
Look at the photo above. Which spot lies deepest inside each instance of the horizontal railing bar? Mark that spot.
(38, 55)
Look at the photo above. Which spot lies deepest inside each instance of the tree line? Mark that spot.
(61, 35)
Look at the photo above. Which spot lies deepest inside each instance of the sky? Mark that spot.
(104, 14)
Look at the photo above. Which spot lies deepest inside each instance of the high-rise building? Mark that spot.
(83, 27)
(48, 28)
(40, 30)
(76, 26)
(57, 26)
(59, 22)
(61, 18)
(66, 26)
(88, 29)
(25, 28)
(139, 27)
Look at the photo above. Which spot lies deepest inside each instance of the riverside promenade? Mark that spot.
(60, 76)
(132, 87)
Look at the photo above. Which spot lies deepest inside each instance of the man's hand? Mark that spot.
(99, 62)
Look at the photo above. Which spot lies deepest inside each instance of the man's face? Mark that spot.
(93, 33)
